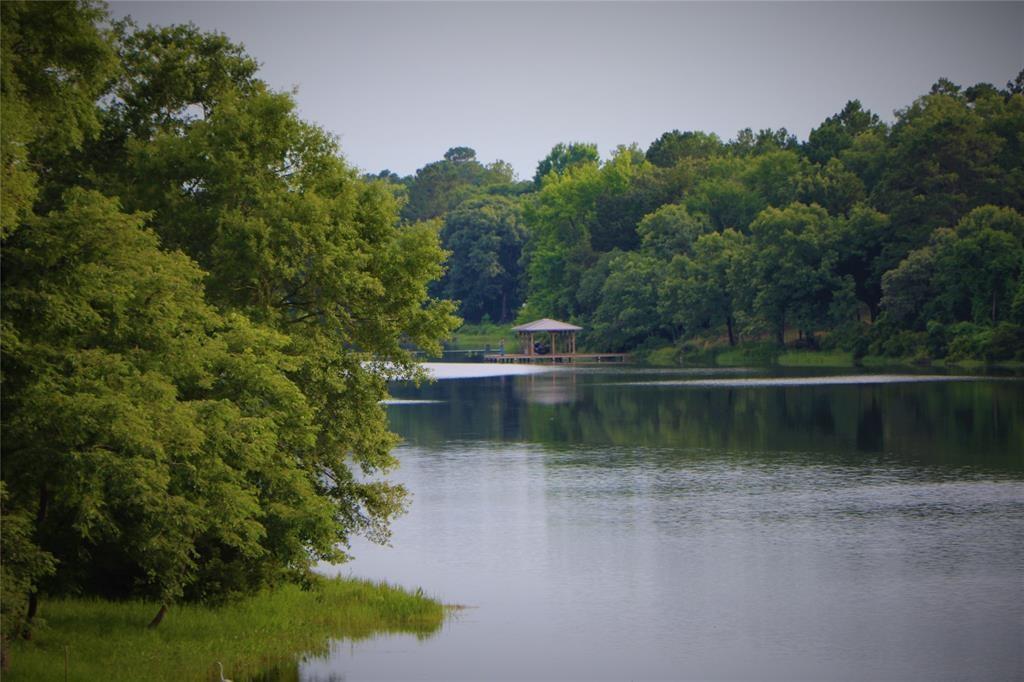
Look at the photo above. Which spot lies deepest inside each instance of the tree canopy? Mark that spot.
(202, 306)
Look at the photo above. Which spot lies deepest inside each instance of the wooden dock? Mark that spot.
(559, 358)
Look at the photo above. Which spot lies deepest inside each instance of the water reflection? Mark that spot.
(962, 422)
(609, 529)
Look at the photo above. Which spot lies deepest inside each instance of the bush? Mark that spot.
(666, 356)
(1006, 342)
(968, 341)
(905, 344)
(937, 339)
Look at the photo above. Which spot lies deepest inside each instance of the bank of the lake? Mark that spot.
(768, 355)
(109, 640)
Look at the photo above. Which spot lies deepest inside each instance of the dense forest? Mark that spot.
(904, 240)
(202, 306)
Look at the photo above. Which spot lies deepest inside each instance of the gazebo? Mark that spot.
(551, 342)
(561, 337)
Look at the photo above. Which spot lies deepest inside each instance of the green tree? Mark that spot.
(674, 146)
(749, 143)
(485, 237)
(559, 251)
(861, 242)
(204, 429)
(978, 265)
(724, 196)
(790, 265)
(670, 230)
(833, 187)
(837, 132)
(48, 92)
(942, 162)
(564, 156)
(698, 292)
(442, 185)
(628, 312)
(175, 439)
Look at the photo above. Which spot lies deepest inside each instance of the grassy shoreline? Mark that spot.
(764, 356)
(109, 640)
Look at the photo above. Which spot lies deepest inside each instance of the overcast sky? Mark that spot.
(399, 83)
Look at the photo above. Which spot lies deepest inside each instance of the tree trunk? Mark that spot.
(732, 335)
(782, 330)
(33, 596)
(158, 618)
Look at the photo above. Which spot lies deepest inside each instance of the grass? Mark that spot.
(109, 640)
(479, 336)
(815, 358)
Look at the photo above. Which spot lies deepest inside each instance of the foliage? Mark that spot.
(48, 94)
(202, 305)
(674, 146)
(248, 637)
(563, 157)
(485, 237)
(442, 185)
(628, 312)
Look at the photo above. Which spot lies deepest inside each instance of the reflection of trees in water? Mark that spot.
(962, 423)
(956, 423)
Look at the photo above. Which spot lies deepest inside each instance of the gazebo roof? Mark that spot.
(547, 325)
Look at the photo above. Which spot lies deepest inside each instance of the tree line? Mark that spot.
(902, 239)
(202, 304)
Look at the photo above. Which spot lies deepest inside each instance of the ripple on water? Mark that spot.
(851, 379)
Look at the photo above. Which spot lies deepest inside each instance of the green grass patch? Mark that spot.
(761, 354)
(732, 358)
(815, 358)
(480, 336)
(666, 356)
(109, 640)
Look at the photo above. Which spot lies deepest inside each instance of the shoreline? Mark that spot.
(255, 634)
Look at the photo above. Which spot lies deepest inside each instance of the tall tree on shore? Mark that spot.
(485, 237)
(205, 333)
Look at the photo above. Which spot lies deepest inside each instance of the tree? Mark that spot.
(207, 361)
(175, 440)
(837, 132)
(862, 243)
(673, 146)
(748, 143)
(724, 195)
(790, 265)
(485, 237)
(559, 251)
(942, 162)
(978, 265)
(49, 87)
(699, 291)
(833, 187)
(671, 230)
(564, 156)
(628, 312)
(442, 185)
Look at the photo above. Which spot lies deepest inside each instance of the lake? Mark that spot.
(627, 524)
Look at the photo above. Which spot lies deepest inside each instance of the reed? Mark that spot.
(109, 640)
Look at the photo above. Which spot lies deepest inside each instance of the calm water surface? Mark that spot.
(630, 525)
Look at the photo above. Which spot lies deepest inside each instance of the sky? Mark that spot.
(399, 83)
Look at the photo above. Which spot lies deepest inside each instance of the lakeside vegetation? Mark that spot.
(202, 306)
(901, 240)
(248, 636)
